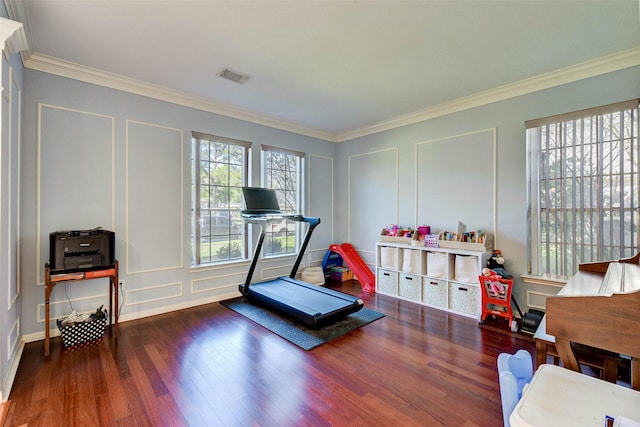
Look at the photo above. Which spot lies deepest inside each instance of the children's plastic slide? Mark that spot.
(361, 270)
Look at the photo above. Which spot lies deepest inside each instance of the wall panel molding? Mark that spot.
(378, 169)
(15, 138)
(154, 198)
(456, 179)
(213, 283)
(63, 188)
(60, 308)
(151, 294)
(320, 184)
(13, 339)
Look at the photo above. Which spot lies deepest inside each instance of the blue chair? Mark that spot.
(515, 371)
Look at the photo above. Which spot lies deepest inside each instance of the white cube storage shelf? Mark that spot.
(443, 278)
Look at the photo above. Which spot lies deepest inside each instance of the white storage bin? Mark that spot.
(389, 257)
(466, 268)
(437, 265)
(464, 299)
(387, 282)
(411, 261)
(410, 287)
(435, 292)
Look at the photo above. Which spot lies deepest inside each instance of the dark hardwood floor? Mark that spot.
(208, 366)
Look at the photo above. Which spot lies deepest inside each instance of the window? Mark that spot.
(282, 171)
(583, 188)
(220, 169)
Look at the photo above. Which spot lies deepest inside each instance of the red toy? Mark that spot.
(361, 270)
(496, 297)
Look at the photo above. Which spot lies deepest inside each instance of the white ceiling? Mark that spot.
(330, 69)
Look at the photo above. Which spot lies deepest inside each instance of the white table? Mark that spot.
(559, 397)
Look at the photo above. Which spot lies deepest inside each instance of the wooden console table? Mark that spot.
(51, 280)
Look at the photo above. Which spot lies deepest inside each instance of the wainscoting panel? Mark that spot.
(67, 301)
(13, 339)
(75, 173)
(372, 196)
(212, 285)
(155, 293)
(154, 198)
(13, 183)
(455, 181)
(320, 204)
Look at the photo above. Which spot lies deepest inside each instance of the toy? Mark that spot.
(496, 298)
(497, 289)
(497, 293)
(494, 288)
(496, 264)
(392, 230)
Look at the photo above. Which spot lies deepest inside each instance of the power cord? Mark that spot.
(120, 288)
(68, 299)
(121, 302)
(74, 316)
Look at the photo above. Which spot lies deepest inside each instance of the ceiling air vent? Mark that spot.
(233, 76)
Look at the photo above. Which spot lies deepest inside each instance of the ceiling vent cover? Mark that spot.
(233, 76)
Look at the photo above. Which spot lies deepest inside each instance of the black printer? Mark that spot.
(81, 249)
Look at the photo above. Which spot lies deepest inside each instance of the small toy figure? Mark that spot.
(496, 264)
(497, 289)
(494, 288)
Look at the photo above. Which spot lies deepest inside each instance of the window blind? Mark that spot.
(583, 175)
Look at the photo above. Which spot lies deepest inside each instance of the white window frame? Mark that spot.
(594, 155)
(210, 244)
(290, 205)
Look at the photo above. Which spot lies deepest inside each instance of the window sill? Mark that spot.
(216, 266)
(277, 257)
(546, 281)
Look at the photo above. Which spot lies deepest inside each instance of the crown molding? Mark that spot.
(12, 36)
(615, 62)
(607, 64)
(85, 74)
(17, 11)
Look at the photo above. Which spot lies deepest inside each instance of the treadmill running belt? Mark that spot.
(310, 304)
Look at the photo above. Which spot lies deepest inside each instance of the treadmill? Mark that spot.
(312, 305)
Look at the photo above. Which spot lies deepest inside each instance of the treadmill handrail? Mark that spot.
(261, 219)
(313, 223)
